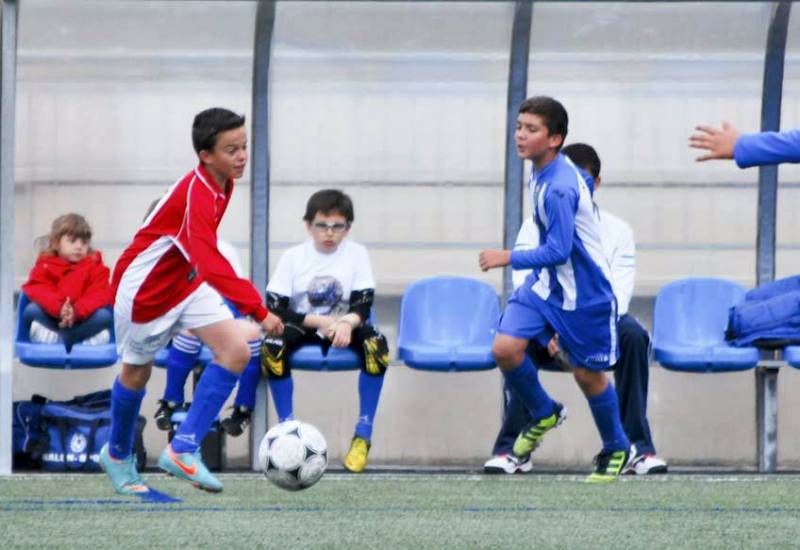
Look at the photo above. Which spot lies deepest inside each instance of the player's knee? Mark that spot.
(507, 356)
(135, 377)
(591, 382)
(250, 330)
(234, 356)
(376, 353)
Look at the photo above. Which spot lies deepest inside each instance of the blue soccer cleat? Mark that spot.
(189, 466)
(124, 477)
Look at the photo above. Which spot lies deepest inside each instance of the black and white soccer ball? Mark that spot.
(293, 455)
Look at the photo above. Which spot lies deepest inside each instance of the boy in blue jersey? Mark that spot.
(631, 373)
(568, 293)
(746, 149)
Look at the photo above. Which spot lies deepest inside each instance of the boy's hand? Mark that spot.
(340, 333)
(719, 143)
(494, 258)
(272, 325)
(560, 357)
(552, 346)
(326, 322)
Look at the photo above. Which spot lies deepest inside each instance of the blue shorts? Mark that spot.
(588, 334)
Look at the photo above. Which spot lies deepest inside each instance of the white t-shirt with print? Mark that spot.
(319, 283)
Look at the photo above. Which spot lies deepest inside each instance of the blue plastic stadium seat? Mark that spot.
(310, 357)
(792, 356)
(55, 356)
(448, 324)
(689, 327)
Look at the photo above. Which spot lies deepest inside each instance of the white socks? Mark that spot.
(43, 335)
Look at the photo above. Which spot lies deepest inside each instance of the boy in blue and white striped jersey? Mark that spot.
(631, 373)
(568, 293)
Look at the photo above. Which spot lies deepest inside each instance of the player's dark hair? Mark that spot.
(584, 156)
(553, 114)
(210, 123)
(329, 201)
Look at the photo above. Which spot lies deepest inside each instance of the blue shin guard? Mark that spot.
(181, 358)
(281, 390)
(125, 405)
(605, 410)
(210, 395)
(249, 379)
(369, 392)
(525, 381)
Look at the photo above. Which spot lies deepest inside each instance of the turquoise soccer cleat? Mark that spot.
(124, 477)
(189, 466)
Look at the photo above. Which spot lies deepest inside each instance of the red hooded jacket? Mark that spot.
(53, 279)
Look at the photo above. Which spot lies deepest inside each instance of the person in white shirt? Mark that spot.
(323, 290)
(630, 372)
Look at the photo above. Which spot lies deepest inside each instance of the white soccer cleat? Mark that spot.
(508, 464)
(643, 465)
(40, 334)
(102, 337)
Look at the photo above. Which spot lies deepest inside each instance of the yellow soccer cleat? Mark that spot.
(356, 458)
(608, 466)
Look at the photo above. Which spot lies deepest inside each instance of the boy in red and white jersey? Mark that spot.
(173, 277)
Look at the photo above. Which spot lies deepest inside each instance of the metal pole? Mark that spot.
(771, 96)
(517, 91)
(8, 87)
(259, 189)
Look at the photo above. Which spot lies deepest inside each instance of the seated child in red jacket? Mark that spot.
(69, 291)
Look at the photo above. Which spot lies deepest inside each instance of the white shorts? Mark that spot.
(138, 343)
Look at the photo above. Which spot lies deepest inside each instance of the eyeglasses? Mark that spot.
(324, 227)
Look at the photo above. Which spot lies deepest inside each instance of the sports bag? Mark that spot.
(71, 433)
(769, 316)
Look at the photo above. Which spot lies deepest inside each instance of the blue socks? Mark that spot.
(181, 359)
(369, 391)
(605, 410)
(525, 381)
(210, 395)
(282, 390)
(249, 379)
(125, 406)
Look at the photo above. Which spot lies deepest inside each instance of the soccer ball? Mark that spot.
(293, 455)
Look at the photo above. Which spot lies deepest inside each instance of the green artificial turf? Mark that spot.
(386, 511)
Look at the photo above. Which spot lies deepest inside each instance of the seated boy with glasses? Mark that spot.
(323, 290)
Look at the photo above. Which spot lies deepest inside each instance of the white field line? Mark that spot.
(427, 477)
